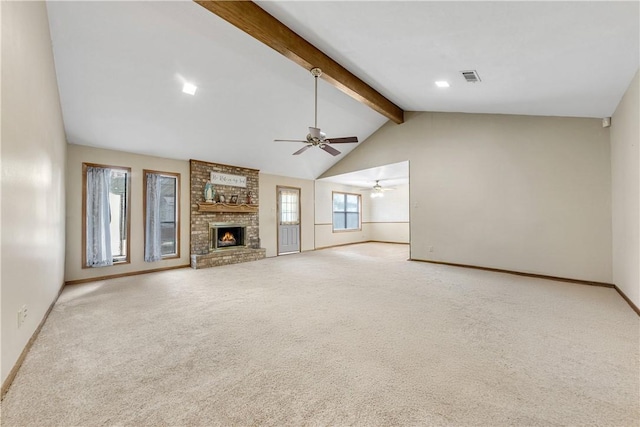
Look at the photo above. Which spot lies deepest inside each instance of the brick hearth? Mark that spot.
(227, 256)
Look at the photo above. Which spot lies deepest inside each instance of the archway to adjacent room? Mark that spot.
(383, 193)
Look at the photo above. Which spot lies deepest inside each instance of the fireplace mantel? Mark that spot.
(225, 207)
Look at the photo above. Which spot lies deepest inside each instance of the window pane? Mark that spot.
(168, 227)
(168, 238)
(353, 220)
(346, 211)
(288, 207)
(168, 199)
(352, 203)
(118, 209)
(338, 202)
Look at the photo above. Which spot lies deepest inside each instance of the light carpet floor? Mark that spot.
(353, 335)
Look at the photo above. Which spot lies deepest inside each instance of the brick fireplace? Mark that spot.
(224, 232)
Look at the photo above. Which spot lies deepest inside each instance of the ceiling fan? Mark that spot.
(377, 190)
(377, 187)
(315, 137)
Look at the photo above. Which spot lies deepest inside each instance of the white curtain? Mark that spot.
(153, 242)
(98, 218)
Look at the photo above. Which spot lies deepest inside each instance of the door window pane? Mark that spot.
(289, 207)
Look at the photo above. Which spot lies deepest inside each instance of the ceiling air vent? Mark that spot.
(471, 76)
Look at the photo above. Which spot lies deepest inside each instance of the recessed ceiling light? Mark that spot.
(442, 83)
(189, 88)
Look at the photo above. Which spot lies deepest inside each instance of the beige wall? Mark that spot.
(268, 211)
(395, 232)
(33, 174)
(389, 216)
(625, 176)
(76, 155)
(529, 194)
(325, 237)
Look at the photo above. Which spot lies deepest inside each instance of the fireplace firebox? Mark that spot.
(224, 235)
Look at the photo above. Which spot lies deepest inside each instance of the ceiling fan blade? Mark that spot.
(302, 150)
(289, 140)
(344, 140)
(315, 132)
(329, 149)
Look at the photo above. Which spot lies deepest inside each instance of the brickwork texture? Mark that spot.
(200, 256)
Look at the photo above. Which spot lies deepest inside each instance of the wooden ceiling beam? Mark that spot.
(259, 24)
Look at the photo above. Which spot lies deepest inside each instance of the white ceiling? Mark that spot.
(121, 65)
(535, 58)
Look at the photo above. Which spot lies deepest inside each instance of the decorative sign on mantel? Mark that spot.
(226, 179)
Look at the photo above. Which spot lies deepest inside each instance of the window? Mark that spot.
(161, 213)
(289, 206)
(105, 211)
(346, 212)
(118, 202)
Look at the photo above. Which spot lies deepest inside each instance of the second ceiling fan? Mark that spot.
(377, 190)
(315, 137)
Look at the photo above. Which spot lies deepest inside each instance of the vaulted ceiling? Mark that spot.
(121, 66)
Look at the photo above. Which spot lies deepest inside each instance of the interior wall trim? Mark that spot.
(131, 273)
(391, 243)
(369, 222)
(358, 243)
(385, 222)
(520, 273)
(541, 276)
(626, 298)
(16, 367)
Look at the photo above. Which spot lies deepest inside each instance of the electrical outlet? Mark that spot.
(430, 248)
(22, 315)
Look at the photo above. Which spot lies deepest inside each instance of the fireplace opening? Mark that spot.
(224, 235)
(227, 240)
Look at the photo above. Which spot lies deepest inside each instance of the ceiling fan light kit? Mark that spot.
(377, 190)
(315, 137)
